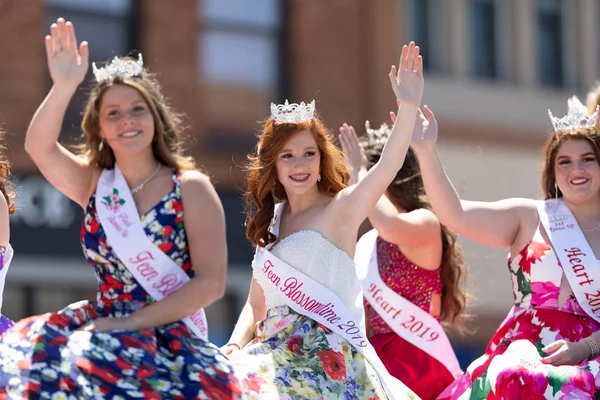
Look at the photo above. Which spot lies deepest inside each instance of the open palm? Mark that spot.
(67, 62)
(407, 80)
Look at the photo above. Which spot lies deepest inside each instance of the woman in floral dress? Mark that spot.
(147, 212)
(299, 207)
(7, 208)
(547, 347)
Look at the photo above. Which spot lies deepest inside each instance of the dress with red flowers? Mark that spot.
(6, 254)
(294, 357)
(511, 367)
(424, 374)
(50, 357)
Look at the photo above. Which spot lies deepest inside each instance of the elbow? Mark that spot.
(216, 290)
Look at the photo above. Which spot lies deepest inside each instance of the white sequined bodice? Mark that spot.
(309, 252)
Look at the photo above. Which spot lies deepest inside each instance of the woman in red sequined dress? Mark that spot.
(417, 258)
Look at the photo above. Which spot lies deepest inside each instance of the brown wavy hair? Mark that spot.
(408, 192)
(553, 143)
(167, 145)
(6, 186)
(263, 189)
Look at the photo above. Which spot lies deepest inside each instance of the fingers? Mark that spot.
(62, 33)
(48, 45)
(419, 67)
(403, 57)
(393, 117)
(343, 141)
(55, 37)
(71, 40)
(413, 56)
(416, 55)
(429, 115)
(409, 56)
(353, 137)
(84, 52)
(393, 77)
(554, 346)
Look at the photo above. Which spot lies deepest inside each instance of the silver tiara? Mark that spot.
(292, 113)
(119, 67)
(377, 136)
(576, 118)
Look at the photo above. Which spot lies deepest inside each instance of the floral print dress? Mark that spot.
(50, 357)
(294, 357)
(5, 258)
(511, 367)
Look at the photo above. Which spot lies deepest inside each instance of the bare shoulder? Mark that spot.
(196, 184)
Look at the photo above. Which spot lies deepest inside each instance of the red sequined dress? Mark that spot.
(422, 373)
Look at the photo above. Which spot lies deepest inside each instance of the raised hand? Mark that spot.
(425, 132)
(407, 80)
(355, 155)
(67, 62)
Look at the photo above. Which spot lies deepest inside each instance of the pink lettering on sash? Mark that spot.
(143, 265)
(168, 284)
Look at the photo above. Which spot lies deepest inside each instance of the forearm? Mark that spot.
(44, 129)
(198, 293)
(443, 197)
(244, 328)
(398, 142)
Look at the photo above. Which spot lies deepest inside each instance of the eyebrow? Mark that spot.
(116, 105)
(589, 153)
(306, 148)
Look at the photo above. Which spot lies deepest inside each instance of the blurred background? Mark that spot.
(493, 69)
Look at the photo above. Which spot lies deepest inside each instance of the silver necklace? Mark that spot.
(148, 179)
(592, 230)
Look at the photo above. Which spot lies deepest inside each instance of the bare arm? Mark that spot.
(415, 228)
(254, 311)
(204, 222)
(67, 63)
(407, 83)
(495, 224)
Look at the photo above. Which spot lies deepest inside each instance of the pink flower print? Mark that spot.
(112, 201)
(545, 295)
(580, 386)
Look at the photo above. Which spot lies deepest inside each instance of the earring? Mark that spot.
(319, 178)
(101, 145)
(555, 191)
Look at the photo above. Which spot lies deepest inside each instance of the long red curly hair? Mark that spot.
(263, 189)
(6, 186)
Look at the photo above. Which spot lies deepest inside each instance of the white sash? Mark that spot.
(8, 255)
(309, 298)
(158, 274)
(576, 257)
(403, 317)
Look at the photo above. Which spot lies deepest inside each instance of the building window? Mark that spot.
(108, 26)
(419, 28)
(240, 42)
(483, 36)
(550, 46)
